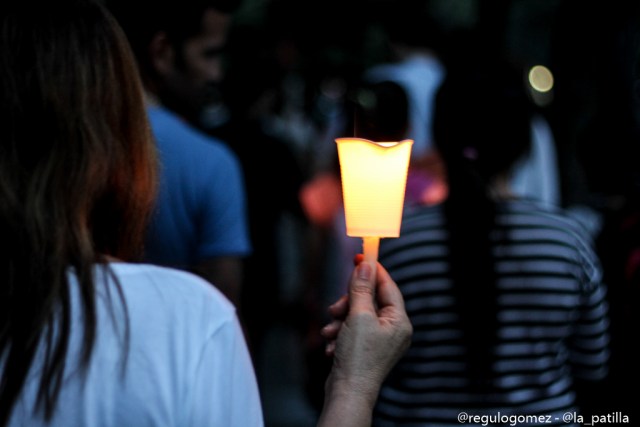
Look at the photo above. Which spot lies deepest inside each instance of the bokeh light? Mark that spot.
(541, 78)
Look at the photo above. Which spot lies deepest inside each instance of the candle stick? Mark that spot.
(370, 247)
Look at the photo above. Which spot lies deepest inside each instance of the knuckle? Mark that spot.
(361, 289)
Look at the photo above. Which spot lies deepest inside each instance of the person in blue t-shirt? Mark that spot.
(200, 222)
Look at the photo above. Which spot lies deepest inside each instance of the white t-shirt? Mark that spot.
(187, 363)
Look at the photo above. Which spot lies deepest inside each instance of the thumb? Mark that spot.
(362, 288)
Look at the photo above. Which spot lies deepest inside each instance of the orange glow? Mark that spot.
(321, 199)
(374, 177)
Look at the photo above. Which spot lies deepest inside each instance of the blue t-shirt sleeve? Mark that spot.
(222, 217)
(201, 210)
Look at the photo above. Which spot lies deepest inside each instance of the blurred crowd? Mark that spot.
(299, 75)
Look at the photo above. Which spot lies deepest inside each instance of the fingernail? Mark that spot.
(330, 348)
(364, 271)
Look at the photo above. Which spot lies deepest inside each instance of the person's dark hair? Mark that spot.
(380, 111)
(179, 20)
(482, 125)
(77, 179)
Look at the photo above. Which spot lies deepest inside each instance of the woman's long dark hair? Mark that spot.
(482, 125)
(77, 179)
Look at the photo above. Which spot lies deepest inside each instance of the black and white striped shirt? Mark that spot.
(551, 310)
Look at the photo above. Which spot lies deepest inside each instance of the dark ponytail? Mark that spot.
(481, 127)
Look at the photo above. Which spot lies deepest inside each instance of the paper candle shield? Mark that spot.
(374, 178)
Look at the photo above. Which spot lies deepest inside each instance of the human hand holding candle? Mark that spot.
(374, 177)
(369, 333)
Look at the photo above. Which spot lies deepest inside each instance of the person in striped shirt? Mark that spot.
(504, 293)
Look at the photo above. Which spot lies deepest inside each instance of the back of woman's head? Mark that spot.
(380, 111)
(76, 151)
(77, 176)
(482, 119)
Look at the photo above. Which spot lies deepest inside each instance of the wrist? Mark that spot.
(361, 391)
(347, 403)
